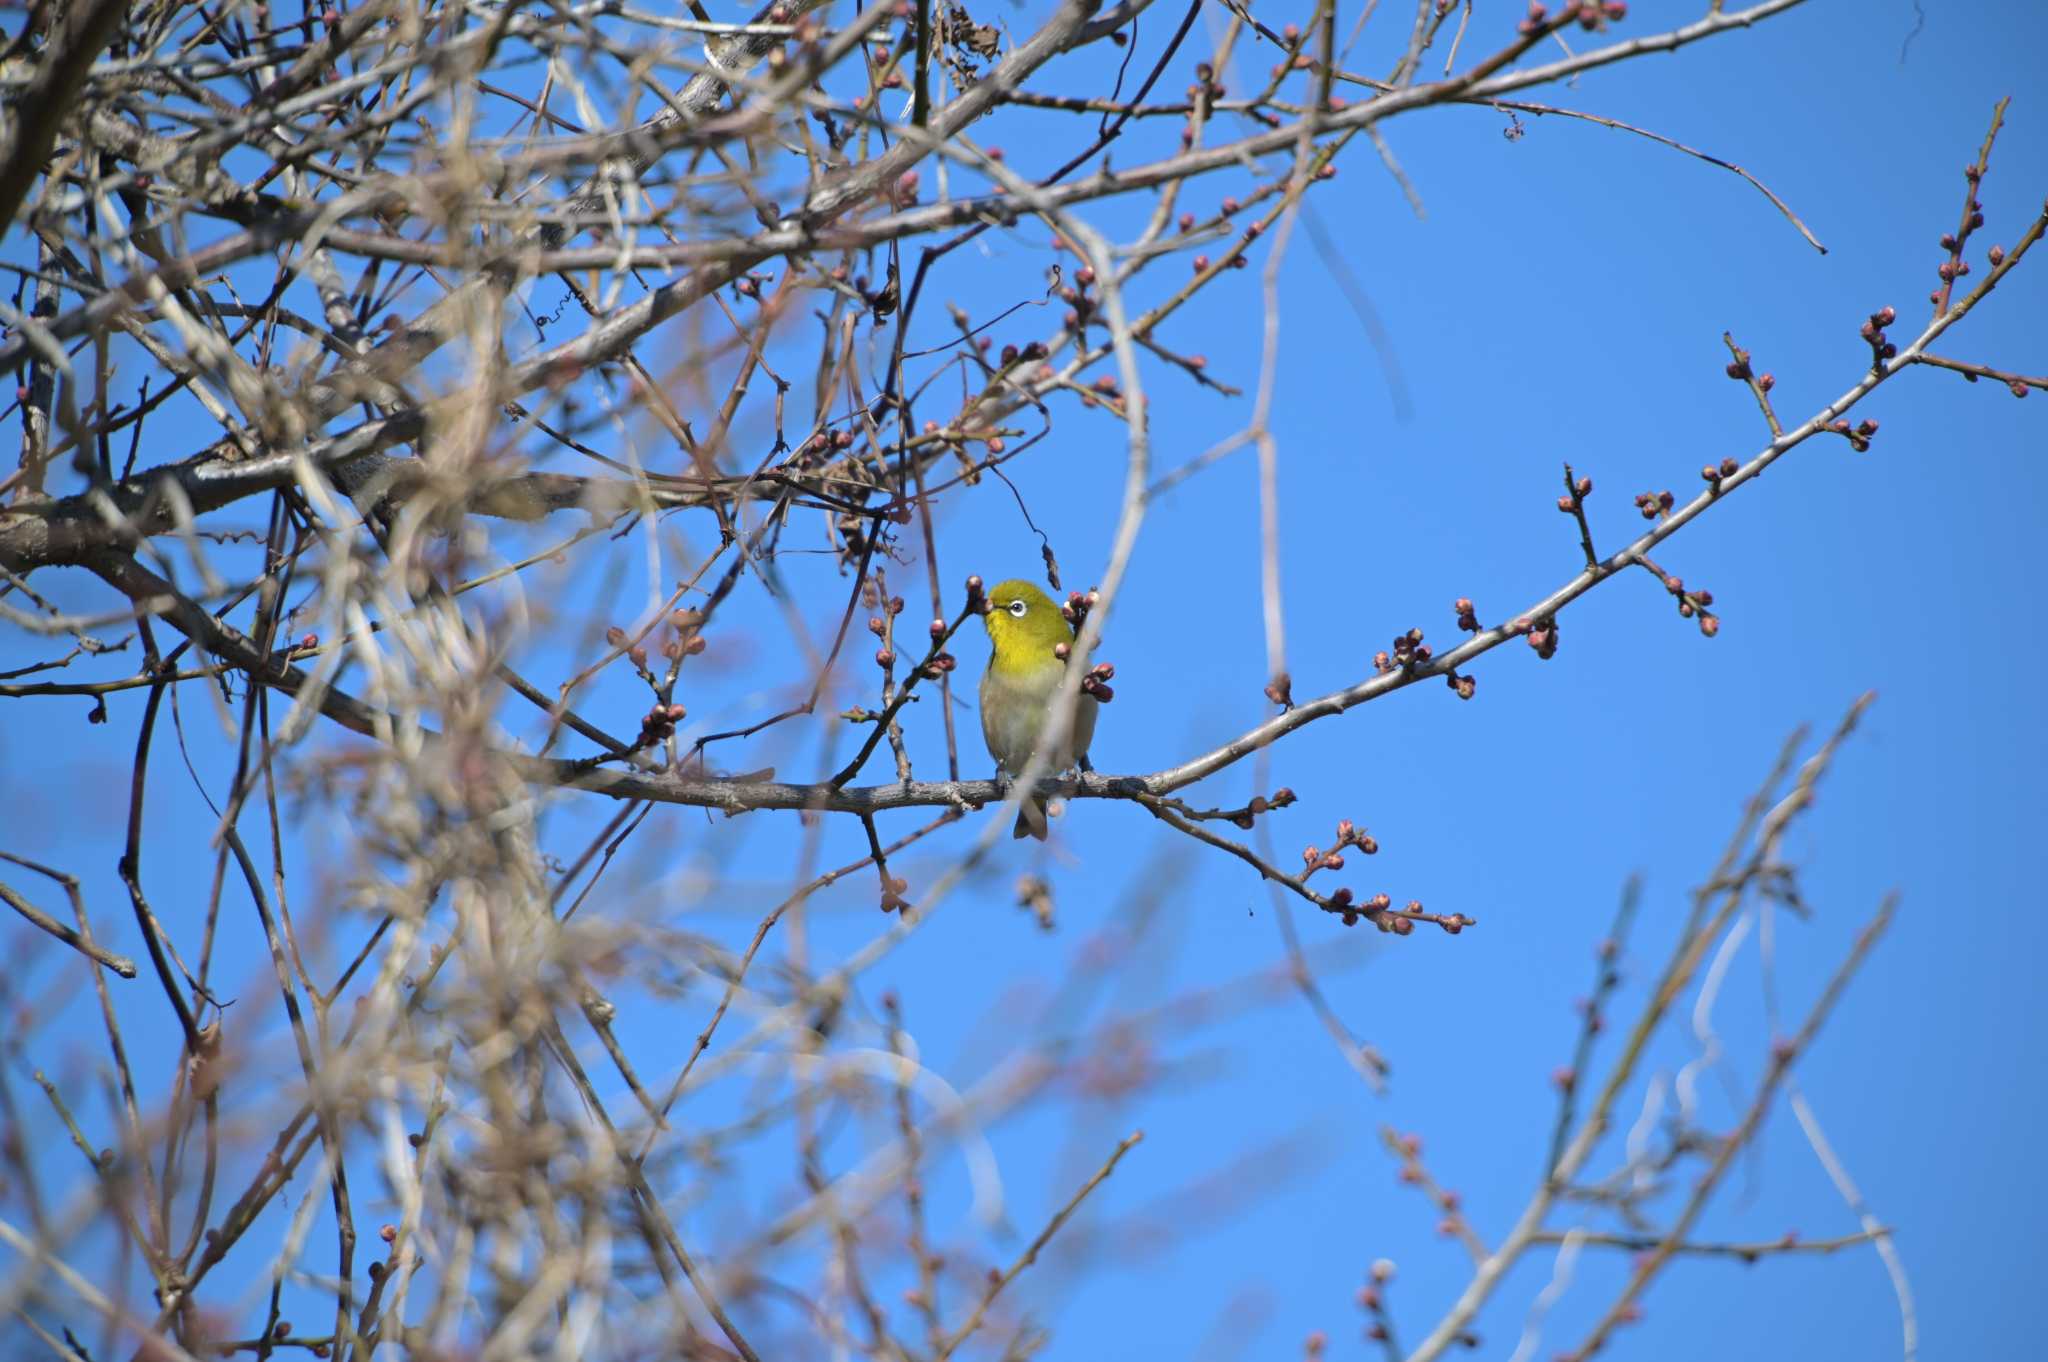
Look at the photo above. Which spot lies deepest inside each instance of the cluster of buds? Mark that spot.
(1081, 303)
(1738, 368)
(1279, 799)
(1408, 650)
(1575, 500)
(1955, 267)
(621, 642)
(1096, 682)
(941, 662)
(1077, 606)
(1694, 603)
(1291, 38)
(883, 625)
(1468, 615)
(1013, 354)
(825, 442)
(1590, 14)
(1301, 61)
(659, 724)
(1654, 504)
(1714, 474)
(685, 636)
(1857, 435)
(1385, 921)
(1872, 331)
(1542, 635)
(1280, 690)
(1314, 858)
(1350, 834)
(1344, 903)
(1207, 86)
(1464, 686)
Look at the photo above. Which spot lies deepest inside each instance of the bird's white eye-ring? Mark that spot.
(1017, 608)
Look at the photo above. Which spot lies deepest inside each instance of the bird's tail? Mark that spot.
(1031, 818)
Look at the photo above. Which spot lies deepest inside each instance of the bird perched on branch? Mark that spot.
(1028, 634)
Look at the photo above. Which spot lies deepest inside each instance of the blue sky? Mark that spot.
(1564, 299)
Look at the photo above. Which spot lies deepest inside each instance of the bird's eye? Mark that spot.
(1017, 608)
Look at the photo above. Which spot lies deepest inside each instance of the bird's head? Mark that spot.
(1024, 625)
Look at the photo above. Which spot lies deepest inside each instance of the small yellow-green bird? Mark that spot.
(1023, 676)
